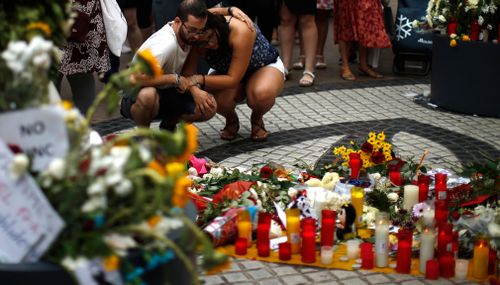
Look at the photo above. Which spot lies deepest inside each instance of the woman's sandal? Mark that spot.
(229, 133)
(320, 62)
(299, 65)
(370, 72)
(307, 79)
(259, 133)
(347, 75)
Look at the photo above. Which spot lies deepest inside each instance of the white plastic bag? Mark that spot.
(115, 25)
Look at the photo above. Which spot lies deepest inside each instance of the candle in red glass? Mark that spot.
(492, 262)
(454, 246)
(447, 266)
(395, 178)
(440, 186)
(405, 238)
(328, 218)
(308, 240)
(441, 212)
(445, 240)
(263, 227)
(367, 257)
(474, 31)
(263, 248)
(432, 269)
(423, 187)
(285, 251)
(366, 249)
(452, 28)
(367, 261)
(355, 165)
(240, 247)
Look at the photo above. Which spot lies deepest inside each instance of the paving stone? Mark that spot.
(284, 270)
(295, 280)
(412, 282)
(354, 281)
(259, 274)
(235, 277)
(270, 282)
(213, 280)
(319, 276)
(252, 264)
(343, 274)
(378, 279)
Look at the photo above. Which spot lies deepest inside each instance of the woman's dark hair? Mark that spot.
(196, 8)
(221, 27)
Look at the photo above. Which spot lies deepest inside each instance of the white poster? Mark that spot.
(28, 223)
(41, 133)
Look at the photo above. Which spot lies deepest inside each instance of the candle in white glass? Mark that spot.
(427, 241)
(381, 243)
(461, 268)
(410, 197)
(428, 216)
(326, 255)
(352, 249)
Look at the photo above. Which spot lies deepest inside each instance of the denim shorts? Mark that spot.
(172, 104)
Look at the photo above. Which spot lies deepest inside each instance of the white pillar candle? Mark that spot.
(427, 241)
(352, 248)
(410, 197)
(326, 255)
(461, 268)
(381, 243)
(428, 216)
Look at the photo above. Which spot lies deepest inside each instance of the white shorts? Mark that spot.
(278, 65)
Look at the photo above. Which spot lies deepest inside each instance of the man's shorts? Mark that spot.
(172, 104)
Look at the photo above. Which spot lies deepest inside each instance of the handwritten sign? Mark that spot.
(40, 132)
(28, 223)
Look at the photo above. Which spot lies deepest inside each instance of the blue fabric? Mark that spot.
(263, 54)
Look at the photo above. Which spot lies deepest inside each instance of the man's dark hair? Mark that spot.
(196, 8)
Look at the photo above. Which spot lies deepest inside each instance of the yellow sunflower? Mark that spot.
(111, 263)
(191, 143)
(175, 169)
(149, 62)
(40, 26)
(381, 136)
(180, 194)
(67, 105)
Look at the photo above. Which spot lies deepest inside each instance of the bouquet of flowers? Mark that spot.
(482, 221)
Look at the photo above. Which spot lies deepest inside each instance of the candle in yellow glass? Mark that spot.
(357, 196)
(245, 226)
(480, 259)
(293, 229)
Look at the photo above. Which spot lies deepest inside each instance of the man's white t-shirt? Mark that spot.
(164, 46)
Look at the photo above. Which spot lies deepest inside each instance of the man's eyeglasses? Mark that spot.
(194, 31)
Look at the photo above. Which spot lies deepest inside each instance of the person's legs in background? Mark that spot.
(309, 36)
(287, 35)
(145, 18)
(322, 18)
(83, 90)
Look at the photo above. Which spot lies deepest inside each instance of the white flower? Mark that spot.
(217, 172)
(415, 23)
(123, 188)
(393, 197)
(329, 180)
(472, 3)
(19, 166)
(164, 226)
(119, 242)
(97, 187)
(313, 182)
(113, 178)
(292, 192)
(94, 203)
(72, 264)
(494, 230)
(56, 168)
(442, 19)
(192, 171)
(480, 20)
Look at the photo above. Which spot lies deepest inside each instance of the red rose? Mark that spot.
(367, 147)
(395, 165)
(378, 157)
(15, 148)
(266, 171)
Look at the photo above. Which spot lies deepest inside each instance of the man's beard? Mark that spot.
(185, 39)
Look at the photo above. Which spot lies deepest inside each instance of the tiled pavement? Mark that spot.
(306, 125)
